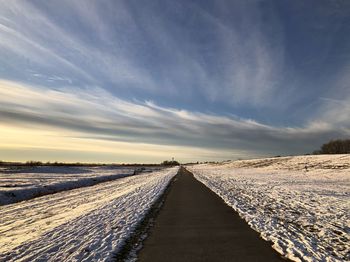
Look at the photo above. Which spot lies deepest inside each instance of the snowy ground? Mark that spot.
(22, 183)
(301, 204)
(84, 224)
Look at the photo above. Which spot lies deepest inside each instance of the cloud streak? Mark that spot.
(98, 115)
(100, 47)
(234, 53)
(52, 49)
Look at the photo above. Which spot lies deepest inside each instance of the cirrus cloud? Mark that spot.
(98, 115)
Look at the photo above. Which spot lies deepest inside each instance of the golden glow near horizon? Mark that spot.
(35, 133)
(51, 144)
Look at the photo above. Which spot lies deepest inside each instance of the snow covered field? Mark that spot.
(17, 184)
(301, 204)
(84, 224)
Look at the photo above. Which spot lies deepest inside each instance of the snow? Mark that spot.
(301, 204)
(23, 183)
(84, 224)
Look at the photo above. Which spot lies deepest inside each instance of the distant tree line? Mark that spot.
(77, 164)
(39, 163)
(338, 146)
(170, 163)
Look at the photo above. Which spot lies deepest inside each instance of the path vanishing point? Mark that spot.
(195, 224)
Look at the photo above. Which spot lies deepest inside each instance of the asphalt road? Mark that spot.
(195, 224)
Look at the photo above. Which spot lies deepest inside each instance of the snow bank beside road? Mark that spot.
(301, 204)
(85, 224)
(26, 183)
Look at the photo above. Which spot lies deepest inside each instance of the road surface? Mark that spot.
(196, 225)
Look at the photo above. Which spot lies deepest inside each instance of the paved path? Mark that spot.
(196, 225)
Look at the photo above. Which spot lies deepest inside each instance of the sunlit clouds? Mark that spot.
(95, 122)
(125, 81)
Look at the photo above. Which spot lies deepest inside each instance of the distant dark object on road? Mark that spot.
(337, 146)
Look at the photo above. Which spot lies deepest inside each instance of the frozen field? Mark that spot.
(84, 224)
(22, 183)
(301, 204)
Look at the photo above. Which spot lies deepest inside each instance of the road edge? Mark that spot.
(134, 243)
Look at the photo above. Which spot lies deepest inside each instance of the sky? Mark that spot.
(197, 80)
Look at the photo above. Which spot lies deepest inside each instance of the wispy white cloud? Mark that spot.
(28, 37)
(97, 114)
(33, 35)
(252, 62)
(119, 45)
(249, 65)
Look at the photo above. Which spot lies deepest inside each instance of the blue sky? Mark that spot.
(197, 80)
